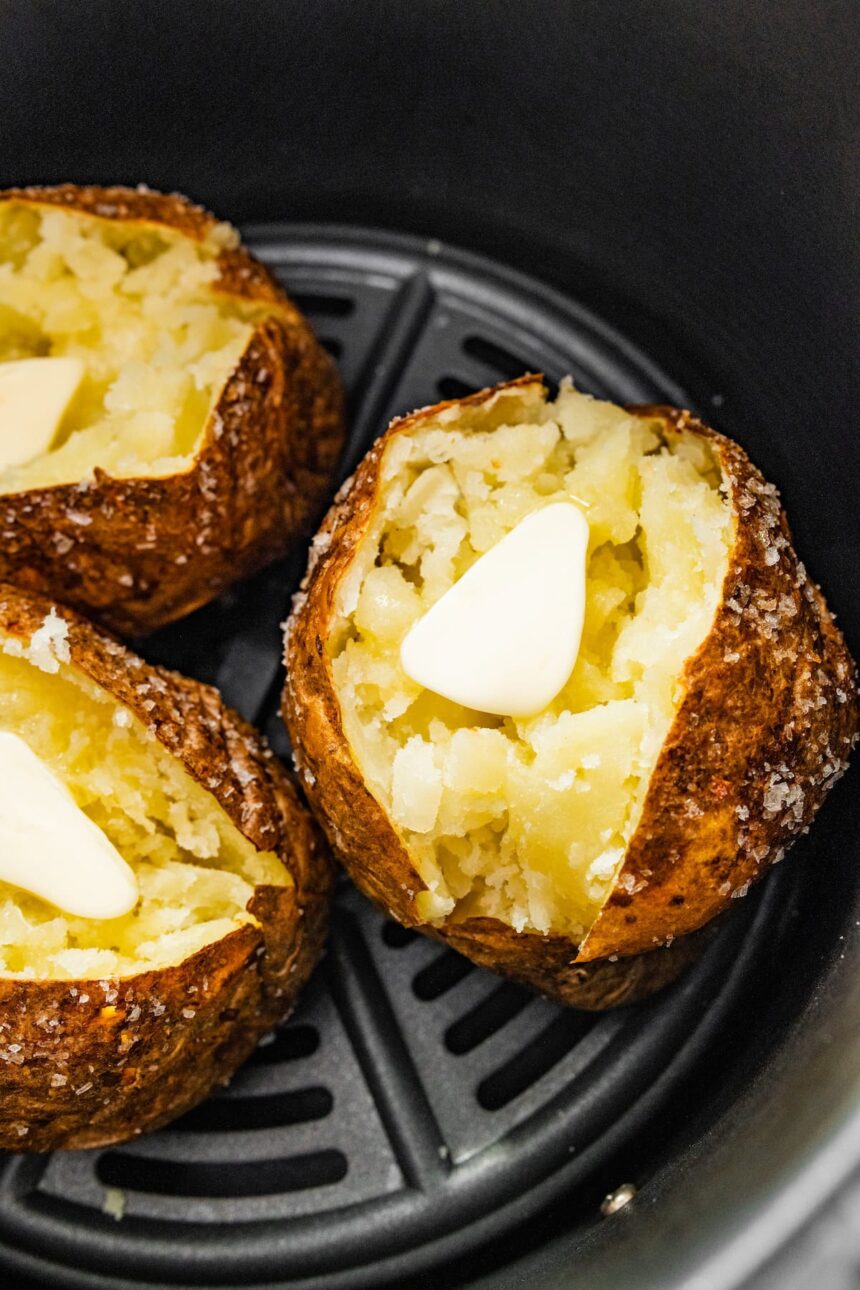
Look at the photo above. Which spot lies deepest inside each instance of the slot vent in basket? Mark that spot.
(319, 305)
(450, 387)
(268, 1111)
(333, 345)
(496, 357)
(527, 1066)
(287, 1045)
(486, 1018)
(397, 937)
(207, 1178)
(440, 976)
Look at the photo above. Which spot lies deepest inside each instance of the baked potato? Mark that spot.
(113, 1025)
(578, 849)
(202, 433)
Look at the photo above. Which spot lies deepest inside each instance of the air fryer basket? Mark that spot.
(676, 180)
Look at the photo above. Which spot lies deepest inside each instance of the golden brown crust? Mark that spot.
(768, 719)
(545, 963)
(120, 203)
(139, 553)
(87, 1063)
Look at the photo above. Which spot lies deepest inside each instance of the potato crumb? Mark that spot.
(48, 646)
(114, 1203)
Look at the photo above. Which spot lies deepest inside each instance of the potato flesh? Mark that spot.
(134, 302)
(196, 872)
(527, 820)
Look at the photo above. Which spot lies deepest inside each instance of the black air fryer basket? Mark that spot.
(660, 199)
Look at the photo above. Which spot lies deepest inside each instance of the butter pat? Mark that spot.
(49, 847)
(505, 637)
(35, 394)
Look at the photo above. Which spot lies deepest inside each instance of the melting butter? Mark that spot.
(50, 848)
(505, 637)
(35, 394)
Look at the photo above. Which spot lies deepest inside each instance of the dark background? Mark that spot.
(689, 168)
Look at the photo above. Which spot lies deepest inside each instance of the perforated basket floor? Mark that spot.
(415, 1106)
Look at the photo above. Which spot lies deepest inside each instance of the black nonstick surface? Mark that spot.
(417, 1114)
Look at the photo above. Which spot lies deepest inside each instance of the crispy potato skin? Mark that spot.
(87, 1063)
(139, 553)
(768, 718)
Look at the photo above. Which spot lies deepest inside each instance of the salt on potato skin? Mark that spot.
(766, 715)
(137, 543)
(86, 1063)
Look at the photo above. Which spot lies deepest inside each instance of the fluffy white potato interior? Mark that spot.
(527, 820)
(134, 303)
(196, 872)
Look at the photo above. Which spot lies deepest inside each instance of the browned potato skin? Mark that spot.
(138, 553)
(748, 713)
(87, 1063)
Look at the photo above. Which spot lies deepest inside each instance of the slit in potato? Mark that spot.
(528, 820)
(196, 872)
(137, 304)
